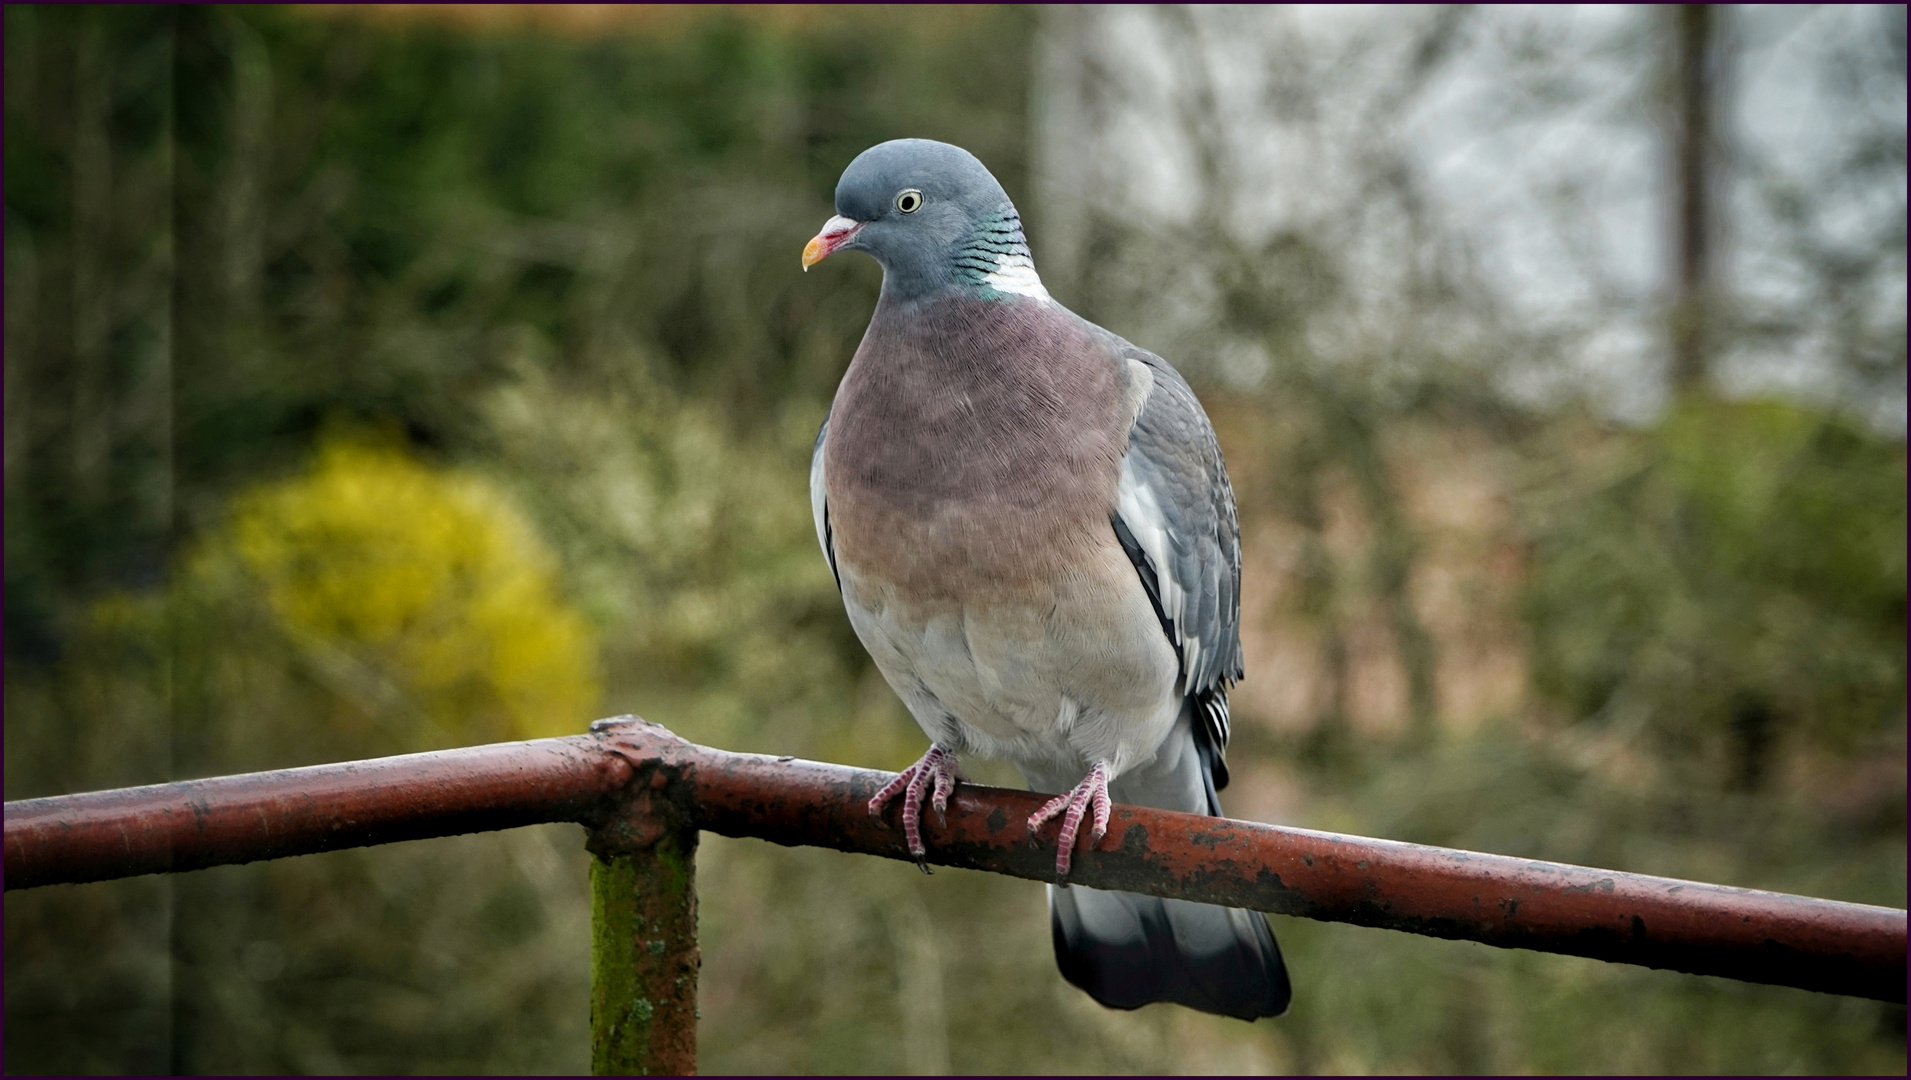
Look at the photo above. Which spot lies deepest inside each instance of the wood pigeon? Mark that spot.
(1034, 536)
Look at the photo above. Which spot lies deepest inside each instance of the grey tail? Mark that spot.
(1128, 950)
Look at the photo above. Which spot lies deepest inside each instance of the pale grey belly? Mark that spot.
(1052, 677)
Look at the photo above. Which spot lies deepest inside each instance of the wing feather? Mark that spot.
(1175, 517)
(819, 505)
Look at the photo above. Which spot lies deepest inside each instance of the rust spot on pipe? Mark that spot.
(627, 776)
(1657, 922)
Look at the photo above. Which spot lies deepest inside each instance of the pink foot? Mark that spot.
(937, 766)
(1092, 791)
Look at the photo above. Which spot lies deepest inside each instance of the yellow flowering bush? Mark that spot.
(431, 578)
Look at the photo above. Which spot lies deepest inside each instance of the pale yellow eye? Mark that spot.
(909, 201)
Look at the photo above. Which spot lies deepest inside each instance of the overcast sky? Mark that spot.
(1537, 141)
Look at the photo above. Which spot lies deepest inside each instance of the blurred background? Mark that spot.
(391, 378)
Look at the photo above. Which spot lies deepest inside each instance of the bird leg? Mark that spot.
(937, 767)
(1092, 791)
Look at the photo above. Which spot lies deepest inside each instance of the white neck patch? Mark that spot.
(1015, 273)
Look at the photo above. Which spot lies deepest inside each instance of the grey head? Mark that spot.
(935, 218)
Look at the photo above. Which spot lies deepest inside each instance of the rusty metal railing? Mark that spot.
(644, 794)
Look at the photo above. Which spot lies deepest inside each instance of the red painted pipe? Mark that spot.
(1825, 945)
(193, 824)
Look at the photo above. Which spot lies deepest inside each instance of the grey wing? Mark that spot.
(819, 506)
(1175, 517)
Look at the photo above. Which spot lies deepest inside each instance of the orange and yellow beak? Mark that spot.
(836, 232)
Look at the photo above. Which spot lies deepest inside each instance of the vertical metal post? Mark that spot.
(644, 955)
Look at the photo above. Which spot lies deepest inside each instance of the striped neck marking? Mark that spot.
(997, 256)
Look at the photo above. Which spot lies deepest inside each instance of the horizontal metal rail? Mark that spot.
(634, 783)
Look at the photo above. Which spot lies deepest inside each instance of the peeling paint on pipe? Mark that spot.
(1746, 934)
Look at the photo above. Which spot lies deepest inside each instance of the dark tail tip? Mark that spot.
(1127, 950)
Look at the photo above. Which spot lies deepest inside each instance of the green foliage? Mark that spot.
(369, 606)
(558, 275)
(1731, 580)
(1528, 793)
(563, 268)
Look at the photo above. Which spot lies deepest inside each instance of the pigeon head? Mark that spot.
(935, 219)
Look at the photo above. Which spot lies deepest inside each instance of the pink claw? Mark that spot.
(1093, 790)
(937, 767)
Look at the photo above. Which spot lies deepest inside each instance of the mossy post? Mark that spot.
(644, 955)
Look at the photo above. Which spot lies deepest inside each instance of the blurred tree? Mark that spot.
(562, 265)
(1734, 581)
(550, 256)
(1693, 67)
(89, 375)
(1402, 371)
